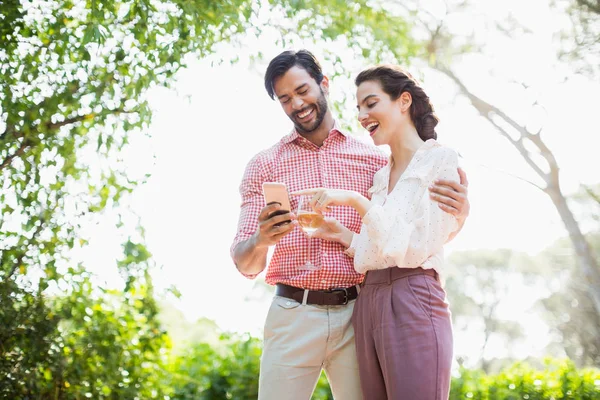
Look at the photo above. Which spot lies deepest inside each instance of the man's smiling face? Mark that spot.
(302, 99)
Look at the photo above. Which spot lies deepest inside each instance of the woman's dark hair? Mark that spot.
(288, 59)
(394, 81)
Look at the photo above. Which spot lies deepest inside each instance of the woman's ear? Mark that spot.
(405, 101)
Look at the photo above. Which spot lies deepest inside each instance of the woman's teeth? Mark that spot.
(372, 126)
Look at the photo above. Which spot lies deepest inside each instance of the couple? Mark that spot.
(387, 217)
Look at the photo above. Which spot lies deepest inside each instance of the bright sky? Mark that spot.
(207, 129)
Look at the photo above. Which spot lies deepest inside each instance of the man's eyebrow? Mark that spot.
(297, 89)
(300, 87)
(365, 99)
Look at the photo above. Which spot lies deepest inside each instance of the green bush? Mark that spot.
(230, 371)
(107, 345)
(559, 380)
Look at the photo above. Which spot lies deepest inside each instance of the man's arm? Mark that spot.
(250, 255)
(453, 198)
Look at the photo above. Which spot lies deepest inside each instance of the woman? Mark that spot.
(401, 319)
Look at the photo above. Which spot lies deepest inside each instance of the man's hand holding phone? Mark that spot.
(275, 219)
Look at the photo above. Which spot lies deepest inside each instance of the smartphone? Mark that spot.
(276, 192)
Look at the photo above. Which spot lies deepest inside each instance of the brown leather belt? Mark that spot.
(332, 297)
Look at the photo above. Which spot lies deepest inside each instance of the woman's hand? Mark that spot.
(323, 199)
(331, 229)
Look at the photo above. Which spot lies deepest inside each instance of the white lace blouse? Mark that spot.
(406, 228)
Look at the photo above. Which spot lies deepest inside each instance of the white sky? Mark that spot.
(206, 130)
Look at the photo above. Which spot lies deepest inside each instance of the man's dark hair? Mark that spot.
(288, 59)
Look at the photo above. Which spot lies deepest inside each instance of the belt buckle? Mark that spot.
(345, 290)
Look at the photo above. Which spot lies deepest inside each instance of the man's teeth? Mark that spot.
(371, 127)
(304, 114)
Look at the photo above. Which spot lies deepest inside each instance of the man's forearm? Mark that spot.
(249, 258)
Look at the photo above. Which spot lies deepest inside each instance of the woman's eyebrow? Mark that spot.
(365, 99)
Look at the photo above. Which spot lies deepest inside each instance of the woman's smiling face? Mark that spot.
(378, 113)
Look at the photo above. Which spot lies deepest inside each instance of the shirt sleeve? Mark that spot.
(252, 203)
(410, 226)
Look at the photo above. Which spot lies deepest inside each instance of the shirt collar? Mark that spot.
(294, 135)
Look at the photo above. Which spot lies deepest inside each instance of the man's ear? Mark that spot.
(405, 101)
(325, 85)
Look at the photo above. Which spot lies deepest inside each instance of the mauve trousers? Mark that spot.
(403, 334)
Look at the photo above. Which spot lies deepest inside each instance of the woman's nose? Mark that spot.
(362, 116)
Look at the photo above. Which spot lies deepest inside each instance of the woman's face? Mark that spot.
(378, 113)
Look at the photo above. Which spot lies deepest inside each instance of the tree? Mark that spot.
(568, 310)
(581, 40)
(73, 79)
(478, 283)
(441, 46)
(72, 82)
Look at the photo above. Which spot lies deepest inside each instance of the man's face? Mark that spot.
(302, 99)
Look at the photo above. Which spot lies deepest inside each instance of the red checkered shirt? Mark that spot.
(342, 162)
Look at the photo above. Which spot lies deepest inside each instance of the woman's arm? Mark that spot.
(410, 226)
(323, 198)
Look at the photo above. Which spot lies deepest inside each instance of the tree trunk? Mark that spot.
(587, 263)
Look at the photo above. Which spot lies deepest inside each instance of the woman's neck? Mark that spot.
(403, 149)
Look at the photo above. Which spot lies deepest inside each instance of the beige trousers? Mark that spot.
(300, 341)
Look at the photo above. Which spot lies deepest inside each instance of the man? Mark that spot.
(308, 327)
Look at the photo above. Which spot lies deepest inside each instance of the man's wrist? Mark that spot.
(256, 242)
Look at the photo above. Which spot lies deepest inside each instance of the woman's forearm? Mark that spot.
(361, 204)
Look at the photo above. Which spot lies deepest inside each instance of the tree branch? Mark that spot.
(591, 193)
(510, 174)
(79, 118)
(52, 126)
(16, 265)
(487, 110)
(19, 260)
(17, 153)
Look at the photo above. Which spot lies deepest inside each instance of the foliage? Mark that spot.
(227, 371)
(581, 40)
(529, 140)
(230, 371)
(478, 283)
(97, 343)
(574, 322)
(73, 79)
(558, 380)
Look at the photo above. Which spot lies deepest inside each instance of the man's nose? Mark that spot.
(297, 103)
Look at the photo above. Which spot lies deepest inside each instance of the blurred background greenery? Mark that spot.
(73, 82)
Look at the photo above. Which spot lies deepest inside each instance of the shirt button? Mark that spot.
(323, 281)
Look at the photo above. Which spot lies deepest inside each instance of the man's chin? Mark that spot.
(307, 128)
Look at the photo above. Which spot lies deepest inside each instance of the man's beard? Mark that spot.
(321, 110)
